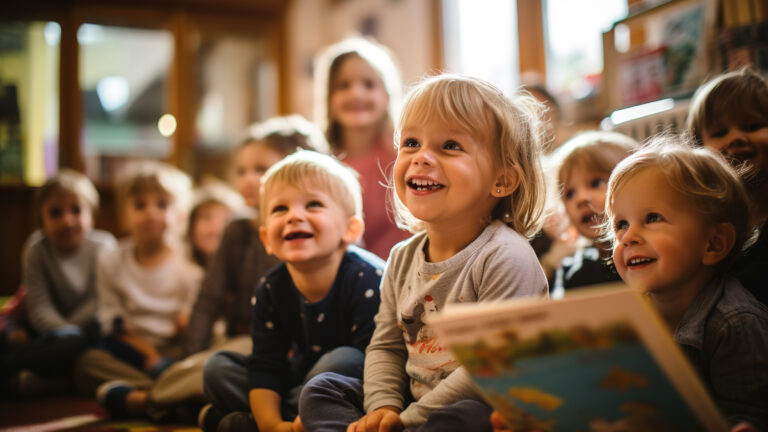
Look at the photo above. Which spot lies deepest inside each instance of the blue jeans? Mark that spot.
(225, 378)
(330, 402)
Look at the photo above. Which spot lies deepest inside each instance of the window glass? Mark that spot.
(123, 80)
(482, 40)
(573, 35)
(29, 100)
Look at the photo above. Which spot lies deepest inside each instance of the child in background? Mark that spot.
(214, 205)
(584, 164)
(730, 114)
(470, 185)
(357, 93)
(147, 286)
(59, 275)
(312, 314)
(233, 273)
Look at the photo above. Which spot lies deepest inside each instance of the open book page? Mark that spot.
(600, 359)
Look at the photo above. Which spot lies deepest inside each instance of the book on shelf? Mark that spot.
(600, 359)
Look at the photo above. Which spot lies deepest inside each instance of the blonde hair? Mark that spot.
(286, 134)
(326, 67)
(513, 125)
(593, 150)
(738, 97)
(323, 171)
(153, 176)
(699, 173)
(67, 180)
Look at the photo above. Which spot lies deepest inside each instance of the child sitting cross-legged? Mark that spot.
(146, 289)
(678, 218)
(470, 184)
(312, 314)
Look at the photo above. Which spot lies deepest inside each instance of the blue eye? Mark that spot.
(451, 145)
(410, 143)
(653, 217)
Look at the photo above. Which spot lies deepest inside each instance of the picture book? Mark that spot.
(600, 359)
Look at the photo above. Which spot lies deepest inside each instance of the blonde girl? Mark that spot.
(470, 187)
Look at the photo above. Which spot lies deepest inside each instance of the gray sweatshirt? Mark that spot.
(404, 354)
(61, 289)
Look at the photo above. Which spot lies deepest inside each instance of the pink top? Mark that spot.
(375, 169)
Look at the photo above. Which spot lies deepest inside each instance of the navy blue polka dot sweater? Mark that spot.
(290, 334)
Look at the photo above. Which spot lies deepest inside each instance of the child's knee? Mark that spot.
(214, 368)
(343, 360)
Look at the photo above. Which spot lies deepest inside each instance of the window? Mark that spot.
(481, 40)
(573, 36)
(29, 100)
(123, 83)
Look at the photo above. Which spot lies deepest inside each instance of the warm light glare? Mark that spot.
(644, 110)
(166, 125)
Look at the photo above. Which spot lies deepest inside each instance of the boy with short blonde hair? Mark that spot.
(312, 314)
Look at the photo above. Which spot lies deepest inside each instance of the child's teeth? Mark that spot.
(634, 261)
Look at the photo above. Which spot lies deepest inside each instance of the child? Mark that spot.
(679, 218)
(214, 206)
(59, 275)
(312, 314)
(730, 114)
(234, 271)
(470, 184)
(357, 92)
(147, 286)
(584, 165)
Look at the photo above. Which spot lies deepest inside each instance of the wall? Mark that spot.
(405, 26)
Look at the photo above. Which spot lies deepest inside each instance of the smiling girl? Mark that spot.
(470, 187)
(357, 92)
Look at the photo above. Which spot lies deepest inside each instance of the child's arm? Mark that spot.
(41, 311)
(738, 368)
(265, 407)
(208, 304)
(385, 380)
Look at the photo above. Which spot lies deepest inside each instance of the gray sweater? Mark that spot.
(404, 354)
(53, 299)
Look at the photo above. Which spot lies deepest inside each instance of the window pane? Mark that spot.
(238, 86)
(481, 40)
(123, 79)
(29, 100)
(573, 31)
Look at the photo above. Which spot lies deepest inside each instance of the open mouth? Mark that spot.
(424, 185)
(297, 235)
(590, 219)
(633, 262)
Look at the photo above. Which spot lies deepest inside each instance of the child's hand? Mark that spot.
(498, 423)
(297, 425)
(384, 419)
(182, 322)
(743, 427)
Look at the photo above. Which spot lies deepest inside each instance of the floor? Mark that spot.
(73, 414)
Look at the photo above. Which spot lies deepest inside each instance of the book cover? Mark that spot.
(600, 359)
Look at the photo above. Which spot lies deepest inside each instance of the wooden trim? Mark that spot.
(438, 45)
(70, 98)
(530, 30)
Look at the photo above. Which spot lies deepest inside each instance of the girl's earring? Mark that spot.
(498, 190)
